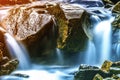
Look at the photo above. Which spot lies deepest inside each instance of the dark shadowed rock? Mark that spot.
(110, 1)
(109, 71)
(116, 11)
(115, 1)
(116, 64)
(116, 7)
(70, 22)
(89, 72)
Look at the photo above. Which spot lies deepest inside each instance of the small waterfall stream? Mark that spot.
(99, 47)
(103, 40)
(18, 51)
(90, 59)
(60, 56)
(116, 44)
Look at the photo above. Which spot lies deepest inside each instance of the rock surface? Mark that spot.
(98, 77)
(8, 67)
(14, 2)
(33, 25)
(70, 22)
(3, 49)
(106, 66)
(40, 23)
(116, 7)
(109, 71)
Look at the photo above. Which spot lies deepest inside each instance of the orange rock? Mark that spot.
(1, 56)
(13, 2)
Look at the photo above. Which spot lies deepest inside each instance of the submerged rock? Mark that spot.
(20, 75)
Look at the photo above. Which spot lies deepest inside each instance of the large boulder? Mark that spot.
(33, 25)
(37, 25)
(88, 72)
(108, 71)
(72, 37)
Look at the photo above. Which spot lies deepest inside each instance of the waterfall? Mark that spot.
(59, 56)
(102, 40)
(116, 44)
(18, 51)
(99, 47)
(91, 53)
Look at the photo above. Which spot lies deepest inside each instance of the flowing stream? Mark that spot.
(98, 49)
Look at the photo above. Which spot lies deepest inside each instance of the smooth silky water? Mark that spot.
(98, 49)
(35, 71)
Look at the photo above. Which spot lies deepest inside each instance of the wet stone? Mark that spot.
(8, 67)
(106, 66)
(20, 75)
(84, 66)
(98, 77)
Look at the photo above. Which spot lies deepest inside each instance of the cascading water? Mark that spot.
(91, 59)
(99, 48)
(18, 51)
(60, 56)
(116, 44)
(103, 40)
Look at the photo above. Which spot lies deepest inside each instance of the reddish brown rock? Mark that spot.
(36, 25)
(3, 48)
(13, 2)
(33, 25)
(1, 56)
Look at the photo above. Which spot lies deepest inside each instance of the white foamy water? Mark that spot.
(40, 72)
